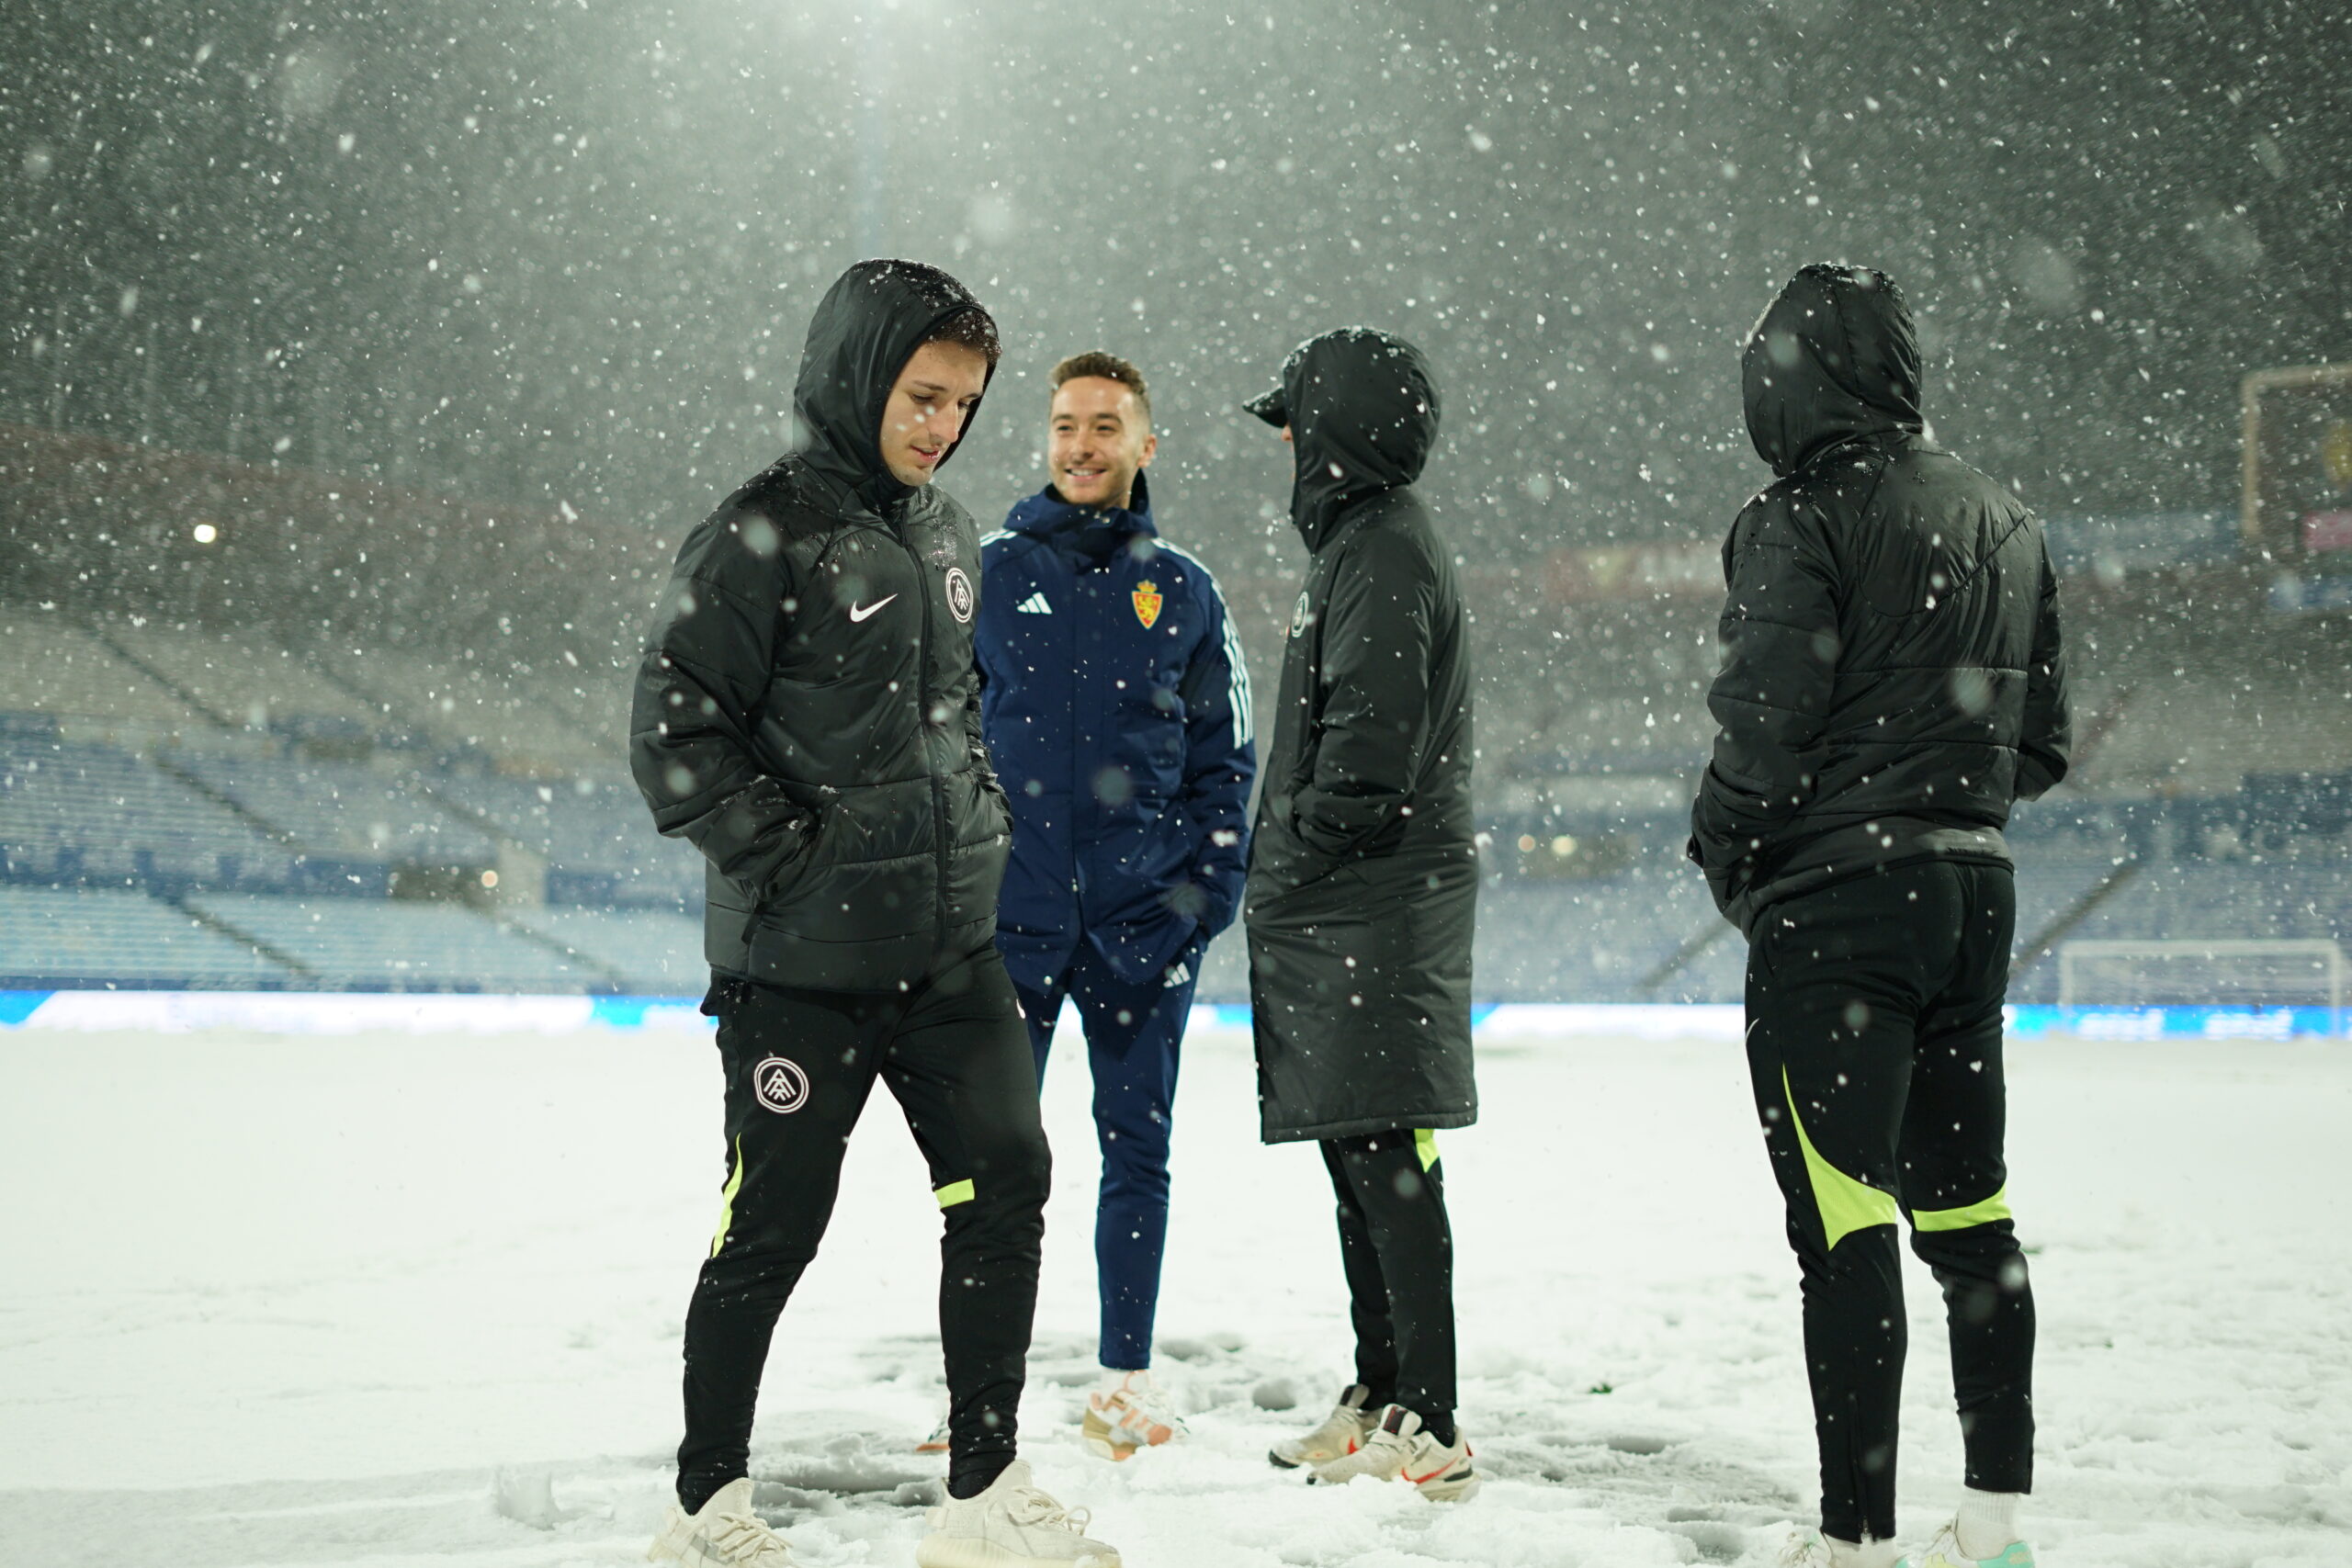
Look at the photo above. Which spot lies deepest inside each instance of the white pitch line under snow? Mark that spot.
(377, 1300)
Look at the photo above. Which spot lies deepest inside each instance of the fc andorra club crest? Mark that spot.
(781, 1084)
(1148, 603)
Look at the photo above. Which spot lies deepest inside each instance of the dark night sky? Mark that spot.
(565, 251)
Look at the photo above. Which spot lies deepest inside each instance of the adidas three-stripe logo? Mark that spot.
(1177, 975)
(1034, 605)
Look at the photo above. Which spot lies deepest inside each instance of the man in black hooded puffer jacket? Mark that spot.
(807, 715)
(1362, 892)
(1893, 681)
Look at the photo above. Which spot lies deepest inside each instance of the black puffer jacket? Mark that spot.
(1364, 874)
(1894, 678)
(807, 711)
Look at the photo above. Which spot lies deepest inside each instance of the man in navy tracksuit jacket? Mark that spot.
(1116, 708)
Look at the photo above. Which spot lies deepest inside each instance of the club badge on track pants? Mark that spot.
(799, 1064)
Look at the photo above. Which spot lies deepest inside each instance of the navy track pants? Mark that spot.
(1134, 1036)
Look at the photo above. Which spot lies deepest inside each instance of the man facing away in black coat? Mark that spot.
(1363, 880)
(1893, 681)
(807, 715)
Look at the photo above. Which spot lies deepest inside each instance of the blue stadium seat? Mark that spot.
(78, 813)
(57, 937)
(347, 810)
(387, 944)
(595, 834)
(651, 951)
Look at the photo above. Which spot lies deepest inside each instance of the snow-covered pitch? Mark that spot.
(382, 1301)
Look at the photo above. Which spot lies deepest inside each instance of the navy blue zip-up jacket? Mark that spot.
(1116, 708)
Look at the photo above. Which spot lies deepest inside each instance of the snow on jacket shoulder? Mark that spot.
(1893, 677)
(1116, 707)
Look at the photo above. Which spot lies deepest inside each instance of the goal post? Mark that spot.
(2190, 973)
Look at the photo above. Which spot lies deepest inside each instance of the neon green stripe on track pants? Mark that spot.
(1874, 1047)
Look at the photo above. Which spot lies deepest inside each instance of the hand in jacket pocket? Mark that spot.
(1187, 898)
(800, 846)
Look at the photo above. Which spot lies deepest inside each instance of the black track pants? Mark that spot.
(799, 1064)
(1874, 1042)
(1397, 1248)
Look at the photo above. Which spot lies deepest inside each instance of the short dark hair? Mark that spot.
(1111, 367)
(974, 329)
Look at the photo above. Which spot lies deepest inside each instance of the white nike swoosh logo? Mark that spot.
(859, 612)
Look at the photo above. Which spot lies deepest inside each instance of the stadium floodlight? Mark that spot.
(2190, 973)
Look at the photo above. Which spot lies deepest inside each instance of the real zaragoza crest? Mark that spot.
(1148, 603)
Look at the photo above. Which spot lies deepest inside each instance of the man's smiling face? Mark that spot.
(1098, 438)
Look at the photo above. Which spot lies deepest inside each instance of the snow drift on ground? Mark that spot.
(379, 1300)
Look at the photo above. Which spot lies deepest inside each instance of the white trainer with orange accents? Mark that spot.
(1398, 1449)
(1128, 1413)
(1343, 1433)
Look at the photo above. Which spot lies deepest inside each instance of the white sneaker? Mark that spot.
(1944, 1553)
(1130, 1411)
(1811, 1549)
(937, 1443)
(1011, 1524)
(722, 1533)
(1805, 1549)
(1398, 1449)
(1343, 1433)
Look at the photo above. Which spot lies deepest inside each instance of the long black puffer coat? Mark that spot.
(1893, 677)
(807, 711)
(1364, 873)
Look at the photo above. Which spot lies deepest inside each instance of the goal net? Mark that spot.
(2202, 973)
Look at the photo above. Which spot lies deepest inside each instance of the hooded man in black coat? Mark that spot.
(1893, 681)
(1362, 886)
(807, 715)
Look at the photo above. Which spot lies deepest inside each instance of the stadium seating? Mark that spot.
(55, 937)
(235, 810)
(240, 680)
(592, 831)
(347, 810)
(1592, 941)
(2189, 900)
(73, 812)
(393, 944)
(56, 668)
(466, 709)
(648, 951)
(593, 695)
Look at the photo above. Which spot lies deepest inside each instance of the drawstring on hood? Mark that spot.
(1363, 410)
(865, 329)
(1834, 357)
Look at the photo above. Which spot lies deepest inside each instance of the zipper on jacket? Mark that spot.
(939, 830)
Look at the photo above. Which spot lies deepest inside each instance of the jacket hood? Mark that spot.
(1835, 356)
(1046, 515)
(865, 329)
(1363, 410)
